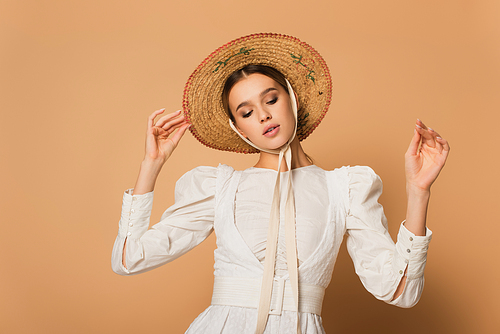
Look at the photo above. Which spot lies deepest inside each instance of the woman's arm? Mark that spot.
(181, 227)
(424, 159)
(159, 147)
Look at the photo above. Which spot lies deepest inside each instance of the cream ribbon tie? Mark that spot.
(272, 234)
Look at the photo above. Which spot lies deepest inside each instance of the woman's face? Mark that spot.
(262, 110)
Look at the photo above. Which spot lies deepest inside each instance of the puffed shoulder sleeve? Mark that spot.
(379, 263)
(182, 226)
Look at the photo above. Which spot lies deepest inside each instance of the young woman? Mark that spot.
(278, 233)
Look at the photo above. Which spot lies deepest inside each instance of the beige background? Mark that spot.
(79, 78)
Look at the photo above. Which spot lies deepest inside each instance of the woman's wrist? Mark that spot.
(153, 164)
(416, 191)
(416, 210)
(148, 173)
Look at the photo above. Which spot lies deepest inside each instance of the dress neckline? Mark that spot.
(272, 170)
(241, 241)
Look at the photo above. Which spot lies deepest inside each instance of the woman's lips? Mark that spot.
(271, 130)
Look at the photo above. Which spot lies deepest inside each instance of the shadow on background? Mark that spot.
(349, 308)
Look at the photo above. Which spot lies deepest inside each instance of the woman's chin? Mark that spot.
(271, 143)
(275, 146)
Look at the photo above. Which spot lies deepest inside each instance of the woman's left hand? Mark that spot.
(422, 165)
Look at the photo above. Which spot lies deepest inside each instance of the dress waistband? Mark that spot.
(245, 292)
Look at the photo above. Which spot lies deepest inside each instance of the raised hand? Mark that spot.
(161, 137)
(425, 157)
(161, 140)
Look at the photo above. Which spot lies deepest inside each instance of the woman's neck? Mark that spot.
(270, 161)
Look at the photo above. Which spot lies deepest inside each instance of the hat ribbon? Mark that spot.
(273, 229)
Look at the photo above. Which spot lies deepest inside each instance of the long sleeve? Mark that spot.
(182, 226)
(379, 263)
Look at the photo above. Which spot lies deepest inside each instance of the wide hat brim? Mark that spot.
(300, 64)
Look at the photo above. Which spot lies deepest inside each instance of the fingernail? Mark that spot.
(439, 138)
(418, 120)
(430, 129)
(418, 126)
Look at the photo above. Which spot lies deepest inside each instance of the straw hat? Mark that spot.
(303, 66)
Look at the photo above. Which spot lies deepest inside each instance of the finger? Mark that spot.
(152, 117)
(415, 141)
(426, 132)
(161, 121)
(434, 134)
(178, 135)
(171, 122)
(164, 133)
(159, 132)
(444, 143)
(169, 130)
(427, 138)
(421, 124)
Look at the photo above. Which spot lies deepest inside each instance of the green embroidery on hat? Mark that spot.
(298, 61)
(309, 76)
(243, 50)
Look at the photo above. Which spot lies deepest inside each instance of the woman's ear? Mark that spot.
(239, 130)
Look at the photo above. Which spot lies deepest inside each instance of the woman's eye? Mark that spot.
(273, 101)
(247, 114)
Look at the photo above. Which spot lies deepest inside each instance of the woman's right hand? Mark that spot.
(161, 140)
(161, 137)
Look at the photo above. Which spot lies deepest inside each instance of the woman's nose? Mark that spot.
(265, 117)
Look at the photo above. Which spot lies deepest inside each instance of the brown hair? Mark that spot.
(243, 73)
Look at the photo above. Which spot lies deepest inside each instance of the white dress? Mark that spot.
(236, 205)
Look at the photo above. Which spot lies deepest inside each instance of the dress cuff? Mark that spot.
(136, 210)
(412, 250)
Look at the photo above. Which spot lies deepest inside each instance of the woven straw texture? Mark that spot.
(300, 64)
